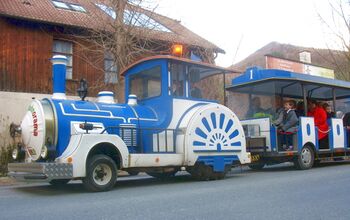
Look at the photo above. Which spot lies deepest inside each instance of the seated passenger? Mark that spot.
(288, 126)
(177, 88)
(195, 90)
(328, 110)
(320, 118)
(300, 111)
(346, 124)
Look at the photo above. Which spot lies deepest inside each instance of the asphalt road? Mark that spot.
(278, 192)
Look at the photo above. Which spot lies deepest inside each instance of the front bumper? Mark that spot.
(40, 171)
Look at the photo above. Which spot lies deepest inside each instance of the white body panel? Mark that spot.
(308, 131)
(155, 160)
(259, 127)
(80, 146)
(337, 136)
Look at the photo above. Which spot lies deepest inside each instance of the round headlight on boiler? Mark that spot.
(15, 153)
(44, 152)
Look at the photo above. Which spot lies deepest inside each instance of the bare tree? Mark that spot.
(339, 27)
(126, 32)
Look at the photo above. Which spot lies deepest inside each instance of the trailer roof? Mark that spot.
(288, 84)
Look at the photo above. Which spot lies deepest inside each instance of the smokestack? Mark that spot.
(59, 64)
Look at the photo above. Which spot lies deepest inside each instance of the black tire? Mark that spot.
(257, 166)
(305, 160)
(101, 173)
(59, 182)
(162, 175)
(133, 173)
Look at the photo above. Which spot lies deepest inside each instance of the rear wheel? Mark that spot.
(101, 173)
(305, 160)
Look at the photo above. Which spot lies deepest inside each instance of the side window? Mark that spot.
(110, 69)
(177, 79)
(65, 48)
(146, 84)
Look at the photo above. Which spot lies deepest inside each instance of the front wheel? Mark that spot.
(101, 174)
(305, 159)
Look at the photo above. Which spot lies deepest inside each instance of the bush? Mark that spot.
(5, 158)
(6, 144)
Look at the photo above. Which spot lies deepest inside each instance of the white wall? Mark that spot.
(13, 106)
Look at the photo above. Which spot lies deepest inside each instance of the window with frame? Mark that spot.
(110, 69)
(68, 6)
(178, 79)
(146, 84)
(65, 48)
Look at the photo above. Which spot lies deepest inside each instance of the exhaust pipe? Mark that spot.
(59, 65)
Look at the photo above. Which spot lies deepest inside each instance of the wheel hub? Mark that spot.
(306, 156)
(102, 174)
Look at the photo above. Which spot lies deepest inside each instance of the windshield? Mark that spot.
(146, 84)
(196, 82)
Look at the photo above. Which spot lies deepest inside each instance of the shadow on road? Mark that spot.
(288, 166)
(76, 187)
(143, 180)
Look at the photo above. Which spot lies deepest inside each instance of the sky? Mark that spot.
(241, 27)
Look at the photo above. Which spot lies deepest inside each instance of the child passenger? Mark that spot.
(288, 126)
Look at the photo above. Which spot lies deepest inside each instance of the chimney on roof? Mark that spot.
(305, 56)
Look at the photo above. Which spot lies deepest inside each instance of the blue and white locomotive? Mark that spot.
(165, 126)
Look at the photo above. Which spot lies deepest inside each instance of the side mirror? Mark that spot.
(83, 89)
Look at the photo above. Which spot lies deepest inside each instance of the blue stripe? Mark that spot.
(229, 125)
(200, 133)
(234, 134)
(213, 119)
(198, 143)
(238, 144)
(221, 151)
(206, 124)
(222, 118)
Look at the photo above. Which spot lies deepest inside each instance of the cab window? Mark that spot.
(178, 79)
(146, 84)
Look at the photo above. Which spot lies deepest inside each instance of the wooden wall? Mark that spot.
(25, 52)
(24, 58)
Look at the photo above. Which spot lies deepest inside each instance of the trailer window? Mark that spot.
(146, 84)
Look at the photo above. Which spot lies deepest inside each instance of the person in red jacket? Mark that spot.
(320, 118)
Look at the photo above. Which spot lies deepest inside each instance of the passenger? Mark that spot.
(177, 88)
(346, 123)
(328, 110)
(300, 111)
(288, 126)
(279, 113)
(195, 90)
(320, 118)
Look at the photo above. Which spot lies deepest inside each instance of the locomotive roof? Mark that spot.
(288, 84)
(184, 60)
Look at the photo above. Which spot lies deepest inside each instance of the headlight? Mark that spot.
(44, 152)
(15, 153)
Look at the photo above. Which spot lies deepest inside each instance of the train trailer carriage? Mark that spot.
(263, 90)
(166, 125)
